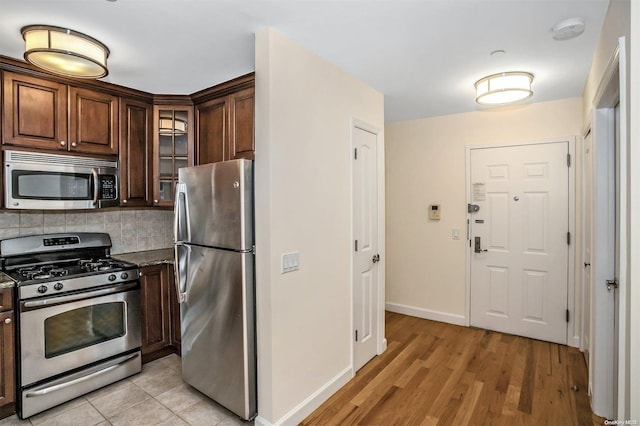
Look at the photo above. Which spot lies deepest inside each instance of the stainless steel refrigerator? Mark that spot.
(214, 250)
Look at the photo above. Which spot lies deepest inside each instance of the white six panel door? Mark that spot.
(365, 230)
(519, 278)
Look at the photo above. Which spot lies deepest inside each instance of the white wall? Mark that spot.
(304, 106)
(632, 352)
(426, 165)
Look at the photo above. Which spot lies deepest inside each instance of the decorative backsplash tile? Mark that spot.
(130, 229)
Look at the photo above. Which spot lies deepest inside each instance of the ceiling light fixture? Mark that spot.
(504, 88)
(568, 29)
(64, 51)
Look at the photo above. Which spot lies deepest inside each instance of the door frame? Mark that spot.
(381, 341)
(572, 336)
(609, 394)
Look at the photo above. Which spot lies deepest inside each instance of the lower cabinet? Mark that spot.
(7, 354)
(158, 303)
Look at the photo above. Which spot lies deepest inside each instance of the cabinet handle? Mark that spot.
(73, 144)
(62, 143)
(7, 321)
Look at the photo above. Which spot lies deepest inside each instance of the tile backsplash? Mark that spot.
(130, 229)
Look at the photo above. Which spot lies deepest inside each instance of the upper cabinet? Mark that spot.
(224, 124)
(241, 139)
(136, 144)
(172, 148)
(93, 118)
(35, 115)
(34, 112)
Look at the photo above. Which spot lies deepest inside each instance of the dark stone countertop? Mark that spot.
(147, 258)
(5, 281)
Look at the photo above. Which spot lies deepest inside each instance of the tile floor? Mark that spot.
(157, 396)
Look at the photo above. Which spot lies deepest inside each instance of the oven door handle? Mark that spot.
(59, 386)
(80, 296)
(96, 185)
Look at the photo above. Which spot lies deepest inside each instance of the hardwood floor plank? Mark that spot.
(436, 373)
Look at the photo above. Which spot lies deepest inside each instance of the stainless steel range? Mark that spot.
(78, 317)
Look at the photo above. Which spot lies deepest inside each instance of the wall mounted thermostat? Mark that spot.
(434, 212)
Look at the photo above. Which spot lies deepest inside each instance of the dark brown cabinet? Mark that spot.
(36, 112)
(7, 353)
(154, 302)
(93, 118)
(136, 142)
(160, 312)
(224, 127)
(172, 149)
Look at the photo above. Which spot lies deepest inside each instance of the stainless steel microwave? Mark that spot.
(59, 182)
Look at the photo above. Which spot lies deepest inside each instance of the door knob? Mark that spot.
(477, 246)
(376, 258)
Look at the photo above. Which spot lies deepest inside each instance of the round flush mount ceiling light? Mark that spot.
(504, 88)
(65, 52)
(568, 29)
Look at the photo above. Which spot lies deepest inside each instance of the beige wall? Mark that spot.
(426, 164)
(304, 107)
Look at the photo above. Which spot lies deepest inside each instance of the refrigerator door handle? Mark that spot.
(182, 259)
(181, 226)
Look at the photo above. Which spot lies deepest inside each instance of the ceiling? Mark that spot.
(423, 55)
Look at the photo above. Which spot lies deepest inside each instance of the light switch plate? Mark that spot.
(290, 262)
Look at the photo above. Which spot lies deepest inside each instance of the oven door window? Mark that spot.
(51, 185)
(83, 327)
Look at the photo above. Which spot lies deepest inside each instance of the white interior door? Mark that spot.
(365, 259)
(519, 240)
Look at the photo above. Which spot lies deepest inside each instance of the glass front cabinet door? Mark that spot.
(173, 149)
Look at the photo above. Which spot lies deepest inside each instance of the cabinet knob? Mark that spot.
(73, 144)
(7, 321)
(155, 201)
(62, 143)
(124, 201)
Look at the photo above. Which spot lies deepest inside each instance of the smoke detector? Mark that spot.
(568, 29)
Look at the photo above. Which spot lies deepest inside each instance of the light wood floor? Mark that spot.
(436, 373)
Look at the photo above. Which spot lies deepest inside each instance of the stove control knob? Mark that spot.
(112, 277)
(124, 275)
(58, 286)
(42, 289)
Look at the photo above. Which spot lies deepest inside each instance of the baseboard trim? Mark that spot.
(306, 407)
(427, 314)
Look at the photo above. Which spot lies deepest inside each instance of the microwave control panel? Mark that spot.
(107, 187)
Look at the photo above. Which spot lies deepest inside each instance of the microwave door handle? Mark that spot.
(96, 183)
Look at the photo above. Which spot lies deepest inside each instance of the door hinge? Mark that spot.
(356, 245)
(567, 315)
(568, 238)
(356, 335)
(355, 153)
(612, 284)
(568, 160)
